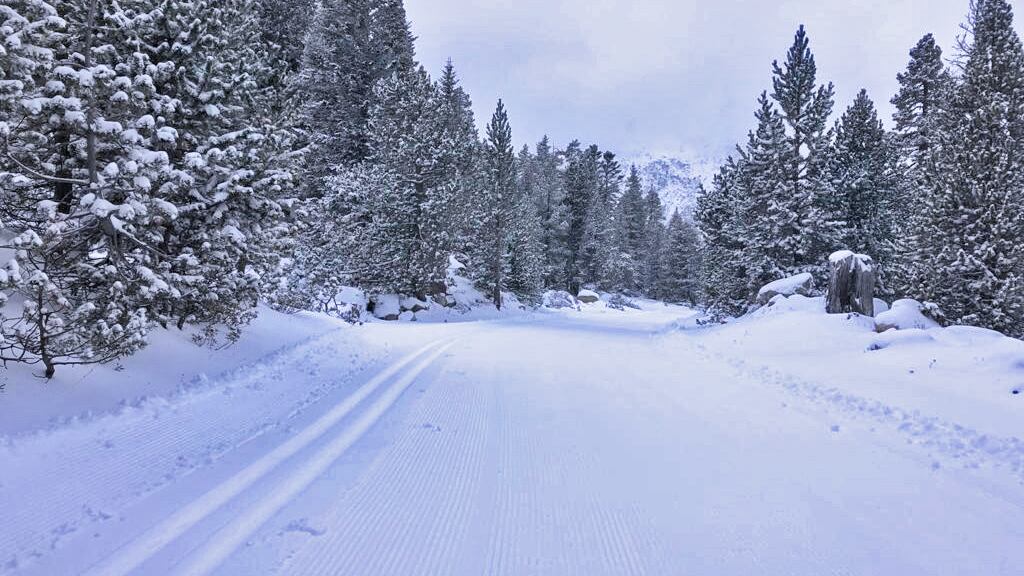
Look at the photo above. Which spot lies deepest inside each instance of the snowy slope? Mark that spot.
(596, 441)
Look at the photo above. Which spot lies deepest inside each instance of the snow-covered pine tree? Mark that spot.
(924, 92)
(412, 220)
(653, 243)
(863, 171)
(631, 220)
(87, 212)
(497, 205)
(525, 269)
(724, 279)
(283, 27)
(336, 81)
(680, 262)
(805, 107)
(231, 150)
(974, 212)
(924, 88)
(549, 194)
(768, 233)
(602, 263)
(460, 159)
(581, 185)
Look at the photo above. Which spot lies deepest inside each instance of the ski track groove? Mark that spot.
(98, 484)
(375, 522)
(395, 384)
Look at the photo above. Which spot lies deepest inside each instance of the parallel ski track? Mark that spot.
(134, 554)
(148, 447)
(410, 513)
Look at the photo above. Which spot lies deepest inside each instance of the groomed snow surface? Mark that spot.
(583, 440)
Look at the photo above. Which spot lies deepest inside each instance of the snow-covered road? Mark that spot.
(558, 444)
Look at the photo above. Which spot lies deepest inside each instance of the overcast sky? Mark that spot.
(663, 76)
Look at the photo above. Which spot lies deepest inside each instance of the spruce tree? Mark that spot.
(680, 262)
(973, 225)
(863, 170)
(581, 187)
(498, 205)
(805, 107)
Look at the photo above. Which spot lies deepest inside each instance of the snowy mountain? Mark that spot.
(678, 181)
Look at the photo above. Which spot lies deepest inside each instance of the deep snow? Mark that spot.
(590, 441)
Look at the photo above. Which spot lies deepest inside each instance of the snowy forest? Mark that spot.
(174, 164)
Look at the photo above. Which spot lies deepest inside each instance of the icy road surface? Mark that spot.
(600, 444)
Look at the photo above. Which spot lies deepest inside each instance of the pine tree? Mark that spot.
(724, 278)
(863, 170)
(632, 219)
(924, 91)
(680, 262)
(924, 88)
(600, 261)
(805, 107)
(581, 187)
(498, 205)
(549, 195)
(85, 215)
(336, 81)
(973, 211)
(655, 232)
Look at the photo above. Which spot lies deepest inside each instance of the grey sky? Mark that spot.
(664, 75)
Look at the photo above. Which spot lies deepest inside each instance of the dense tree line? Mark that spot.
(172, 164)
(937, 201)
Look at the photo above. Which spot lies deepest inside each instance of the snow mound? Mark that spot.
(904, 315)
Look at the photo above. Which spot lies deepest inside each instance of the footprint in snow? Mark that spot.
(835, 428)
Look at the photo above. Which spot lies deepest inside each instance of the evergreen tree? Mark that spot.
(924, 92)
(805, 107)
(548, 198)
(498, 205)
(655, 232)
(973, 211)
(81, 174)
(581, 185)
(681, 262)
(863, 171)
(724, 279)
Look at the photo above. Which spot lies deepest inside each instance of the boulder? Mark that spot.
(801, 284)
(588, 297)
(386, 307)
(560, 299)
(414, 305)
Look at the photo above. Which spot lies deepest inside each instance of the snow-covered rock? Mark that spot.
(588, 297)
(387, 306)
(904, 315)
(414, 305)
(802, 284)
(620, 302)
(559, 300)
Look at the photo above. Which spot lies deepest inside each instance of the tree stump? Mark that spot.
(851, 286)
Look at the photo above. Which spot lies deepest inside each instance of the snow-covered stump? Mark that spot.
(851, 286)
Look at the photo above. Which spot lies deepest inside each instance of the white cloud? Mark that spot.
(663, 74)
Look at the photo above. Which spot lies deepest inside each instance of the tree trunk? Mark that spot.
(851, 286)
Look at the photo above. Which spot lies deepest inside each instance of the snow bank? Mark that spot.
(171, 365)
(588, 297)
(958, 374)
(904, 315)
